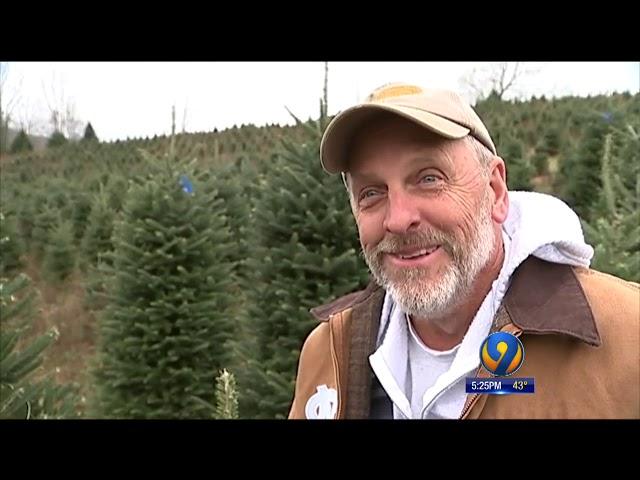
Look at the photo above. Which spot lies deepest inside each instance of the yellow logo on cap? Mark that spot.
(394, 90)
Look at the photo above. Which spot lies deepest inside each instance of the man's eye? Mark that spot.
(368, 197)
(368, 194)
(429, 179)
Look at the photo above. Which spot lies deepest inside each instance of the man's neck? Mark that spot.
(447, 331)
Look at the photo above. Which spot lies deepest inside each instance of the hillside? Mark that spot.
(546, 130)
(554, 146)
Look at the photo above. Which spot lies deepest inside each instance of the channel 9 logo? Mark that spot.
(501, 354)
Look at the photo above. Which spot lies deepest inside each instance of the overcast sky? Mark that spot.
(134, 99)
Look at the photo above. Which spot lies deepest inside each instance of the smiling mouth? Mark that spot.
(423, 252)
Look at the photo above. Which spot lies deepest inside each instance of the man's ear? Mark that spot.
(498, 183)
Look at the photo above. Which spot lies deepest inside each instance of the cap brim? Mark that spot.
(333, 149)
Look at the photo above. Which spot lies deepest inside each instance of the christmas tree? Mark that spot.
(21, 143)
(21, 395)
(580, 172)
(89, 134)
(11, 248)
(96, 249)
(519, 170)
(60, 259)
(165, 328)
(57, 139)
(97, 236)
(615, 230)
(304, 253)
(45, 220)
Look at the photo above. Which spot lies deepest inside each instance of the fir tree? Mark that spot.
(10, 246)
(80, 209)
(235, 185)
(580, 172)
(97, 236)
(57, 139)
(615, 230)
(97, 248)
(304, 252)
(540, 163)
(116, 191)
(550, 141)
(21, 395)
(4, 132)
(89, 134)
(60, 259)
(165, 329)
(45, 221)
(21, 143)
(519, 170)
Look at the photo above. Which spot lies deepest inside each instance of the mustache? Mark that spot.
(392, 243)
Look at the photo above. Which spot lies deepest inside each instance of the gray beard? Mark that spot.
(433, 295)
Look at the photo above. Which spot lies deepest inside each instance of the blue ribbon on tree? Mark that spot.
(607, 117)
(187, 186)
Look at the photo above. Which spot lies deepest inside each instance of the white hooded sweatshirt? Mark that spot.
(423, 383)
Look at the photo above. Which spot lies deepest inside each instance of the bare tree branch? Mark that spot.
(9, 100)
(62, 109)
(472, 82)
(499, 78)
(502, 71)
(506, 80)
(184, 117)
(25, 118)
(172, 143)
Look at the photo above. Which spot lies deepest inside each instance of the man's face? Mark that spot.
(423, 209)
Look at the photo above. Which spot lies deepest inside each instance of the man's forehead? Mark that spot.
(391, 124)
(392, 130)
(415, 146)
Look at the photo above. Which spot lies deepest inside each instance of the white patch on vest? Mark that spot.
(322, 405)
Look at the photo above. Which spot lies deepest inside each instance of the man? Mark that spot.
(455, 257)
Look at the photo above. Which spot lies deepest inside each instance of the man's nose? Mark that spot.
(402, 213)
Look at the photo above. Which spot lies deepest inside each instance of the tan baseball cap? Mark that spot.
(441, 111)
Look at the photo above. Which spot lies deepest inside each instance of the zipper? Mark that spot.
(472, 402)
(437, 397)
